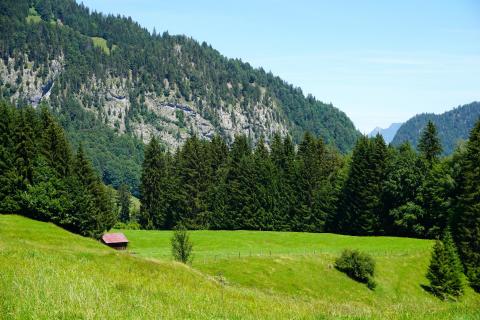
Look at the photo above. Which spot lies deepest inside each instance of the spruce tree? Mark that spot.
(123, 202)
(25, 147)
(54, 144)
(445, 270)
(360, 206)
(466, 217)
(152, 213)
(194, 174)
(429, 145)
(97, 213)
(312, 158)
(9, 178)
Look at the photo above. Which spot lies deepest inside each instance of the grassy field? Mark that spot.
(48, 273)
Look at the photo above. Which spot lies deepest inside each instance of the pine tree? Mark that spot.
(445, 270)
(25, 147)
(434, 196)
(152, 210)
(98, 213)
(360, 204)
(123, 202)
(10, 181)
(239, 182)
(429, 145)
(54, 144)
(405, 176)
(283, 157)
(466, 217)
(195, 174)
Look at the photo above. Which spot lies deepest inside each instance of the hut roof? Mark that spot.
(114, 238)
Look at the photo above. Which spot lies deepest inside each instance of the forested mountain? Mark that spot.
(452, 126)
(388, 134)
(107, 77)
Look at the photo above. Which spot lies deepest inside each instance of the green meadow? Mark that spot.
(49, 273)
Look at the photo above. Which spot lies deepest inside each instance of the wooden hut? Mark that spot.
(117, 241)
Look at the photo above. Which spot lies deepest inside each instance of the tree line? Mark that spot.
(375, 190)
(42, 178)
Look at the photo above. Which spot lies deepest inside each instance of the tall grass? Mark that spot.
(48, 273)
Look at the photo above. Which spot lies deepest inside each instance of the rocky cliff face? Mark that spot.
(166, 115)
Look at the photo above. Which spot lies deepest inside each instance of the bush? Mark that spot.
(358, 266)
(181, 245)
(131, 225)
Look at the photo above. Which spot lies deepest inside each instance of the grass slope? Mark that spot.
(48, 273)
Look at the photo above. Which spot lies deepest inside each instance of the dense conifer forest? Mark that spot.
(42, 178)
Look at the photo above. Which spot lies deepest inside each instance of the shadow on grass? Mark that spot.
(427, 288)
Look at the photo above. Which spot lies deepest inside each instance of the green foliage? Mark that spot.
(358, 266)
(453, 126)
(124, 203)
(205, 184)
(429, 145)
(181, 245)
(466, 206)
(360, 209)
(40, 177)
(445, 270)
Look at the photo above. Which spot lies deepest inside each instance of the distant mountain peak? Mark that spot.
(387, 133)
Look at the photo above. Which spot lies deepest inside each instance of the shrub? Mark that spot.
(358, 266)
(181, 245)
(131, 225)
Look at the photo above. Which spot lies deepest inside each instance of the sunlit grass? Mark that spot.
(48, 273)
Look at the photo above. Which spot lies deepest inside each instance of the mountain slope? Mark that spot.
(388, 134)
(452, 126)
(143, 84)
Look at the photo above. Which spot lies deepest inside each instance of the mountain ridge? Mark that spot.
(107, 73)
(453, 126)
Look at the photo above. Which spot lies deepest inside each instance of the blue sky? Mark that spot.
(378, 61)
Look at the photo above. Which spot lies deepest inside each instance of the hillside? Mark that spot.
(388, 134)
(452, 126)
(49, 273)
(108, 75)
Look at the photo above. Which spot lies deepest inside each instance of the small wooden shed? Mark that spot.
(117, 241)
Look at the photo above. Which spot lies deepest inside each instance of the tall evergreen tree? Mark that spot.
(466, 219)
(54, 144)
(445, 270)
(95, 212)
(434, 196)
(10, 180)
(429, 144)
(123, 202)
(25, 147)
(195, 174)
(152, 210)
(405, 175)
(358, 212)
